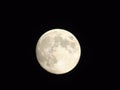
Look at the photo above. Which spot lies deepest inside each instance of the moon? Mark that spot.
(58, 51)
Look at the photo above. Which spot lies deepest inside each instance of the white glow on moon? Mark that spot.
(58, 51)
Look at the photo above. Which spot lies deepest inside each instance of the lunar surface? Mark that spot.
(58, 51)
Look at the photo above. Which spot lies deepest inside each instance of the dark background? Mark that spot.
(90, 23)
(88, 26)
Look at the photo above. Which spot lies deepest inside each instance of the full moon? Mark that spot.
(58, 51)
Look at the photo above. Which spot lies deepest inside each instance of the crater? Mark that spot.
(71, 37)
(51, 60)
(61, 41)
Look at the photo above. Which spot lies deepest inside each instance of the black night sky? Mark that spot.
(88, 23)
(85, 24)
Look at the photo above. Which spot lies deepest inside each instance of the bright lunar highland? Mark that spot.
(58, 51)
